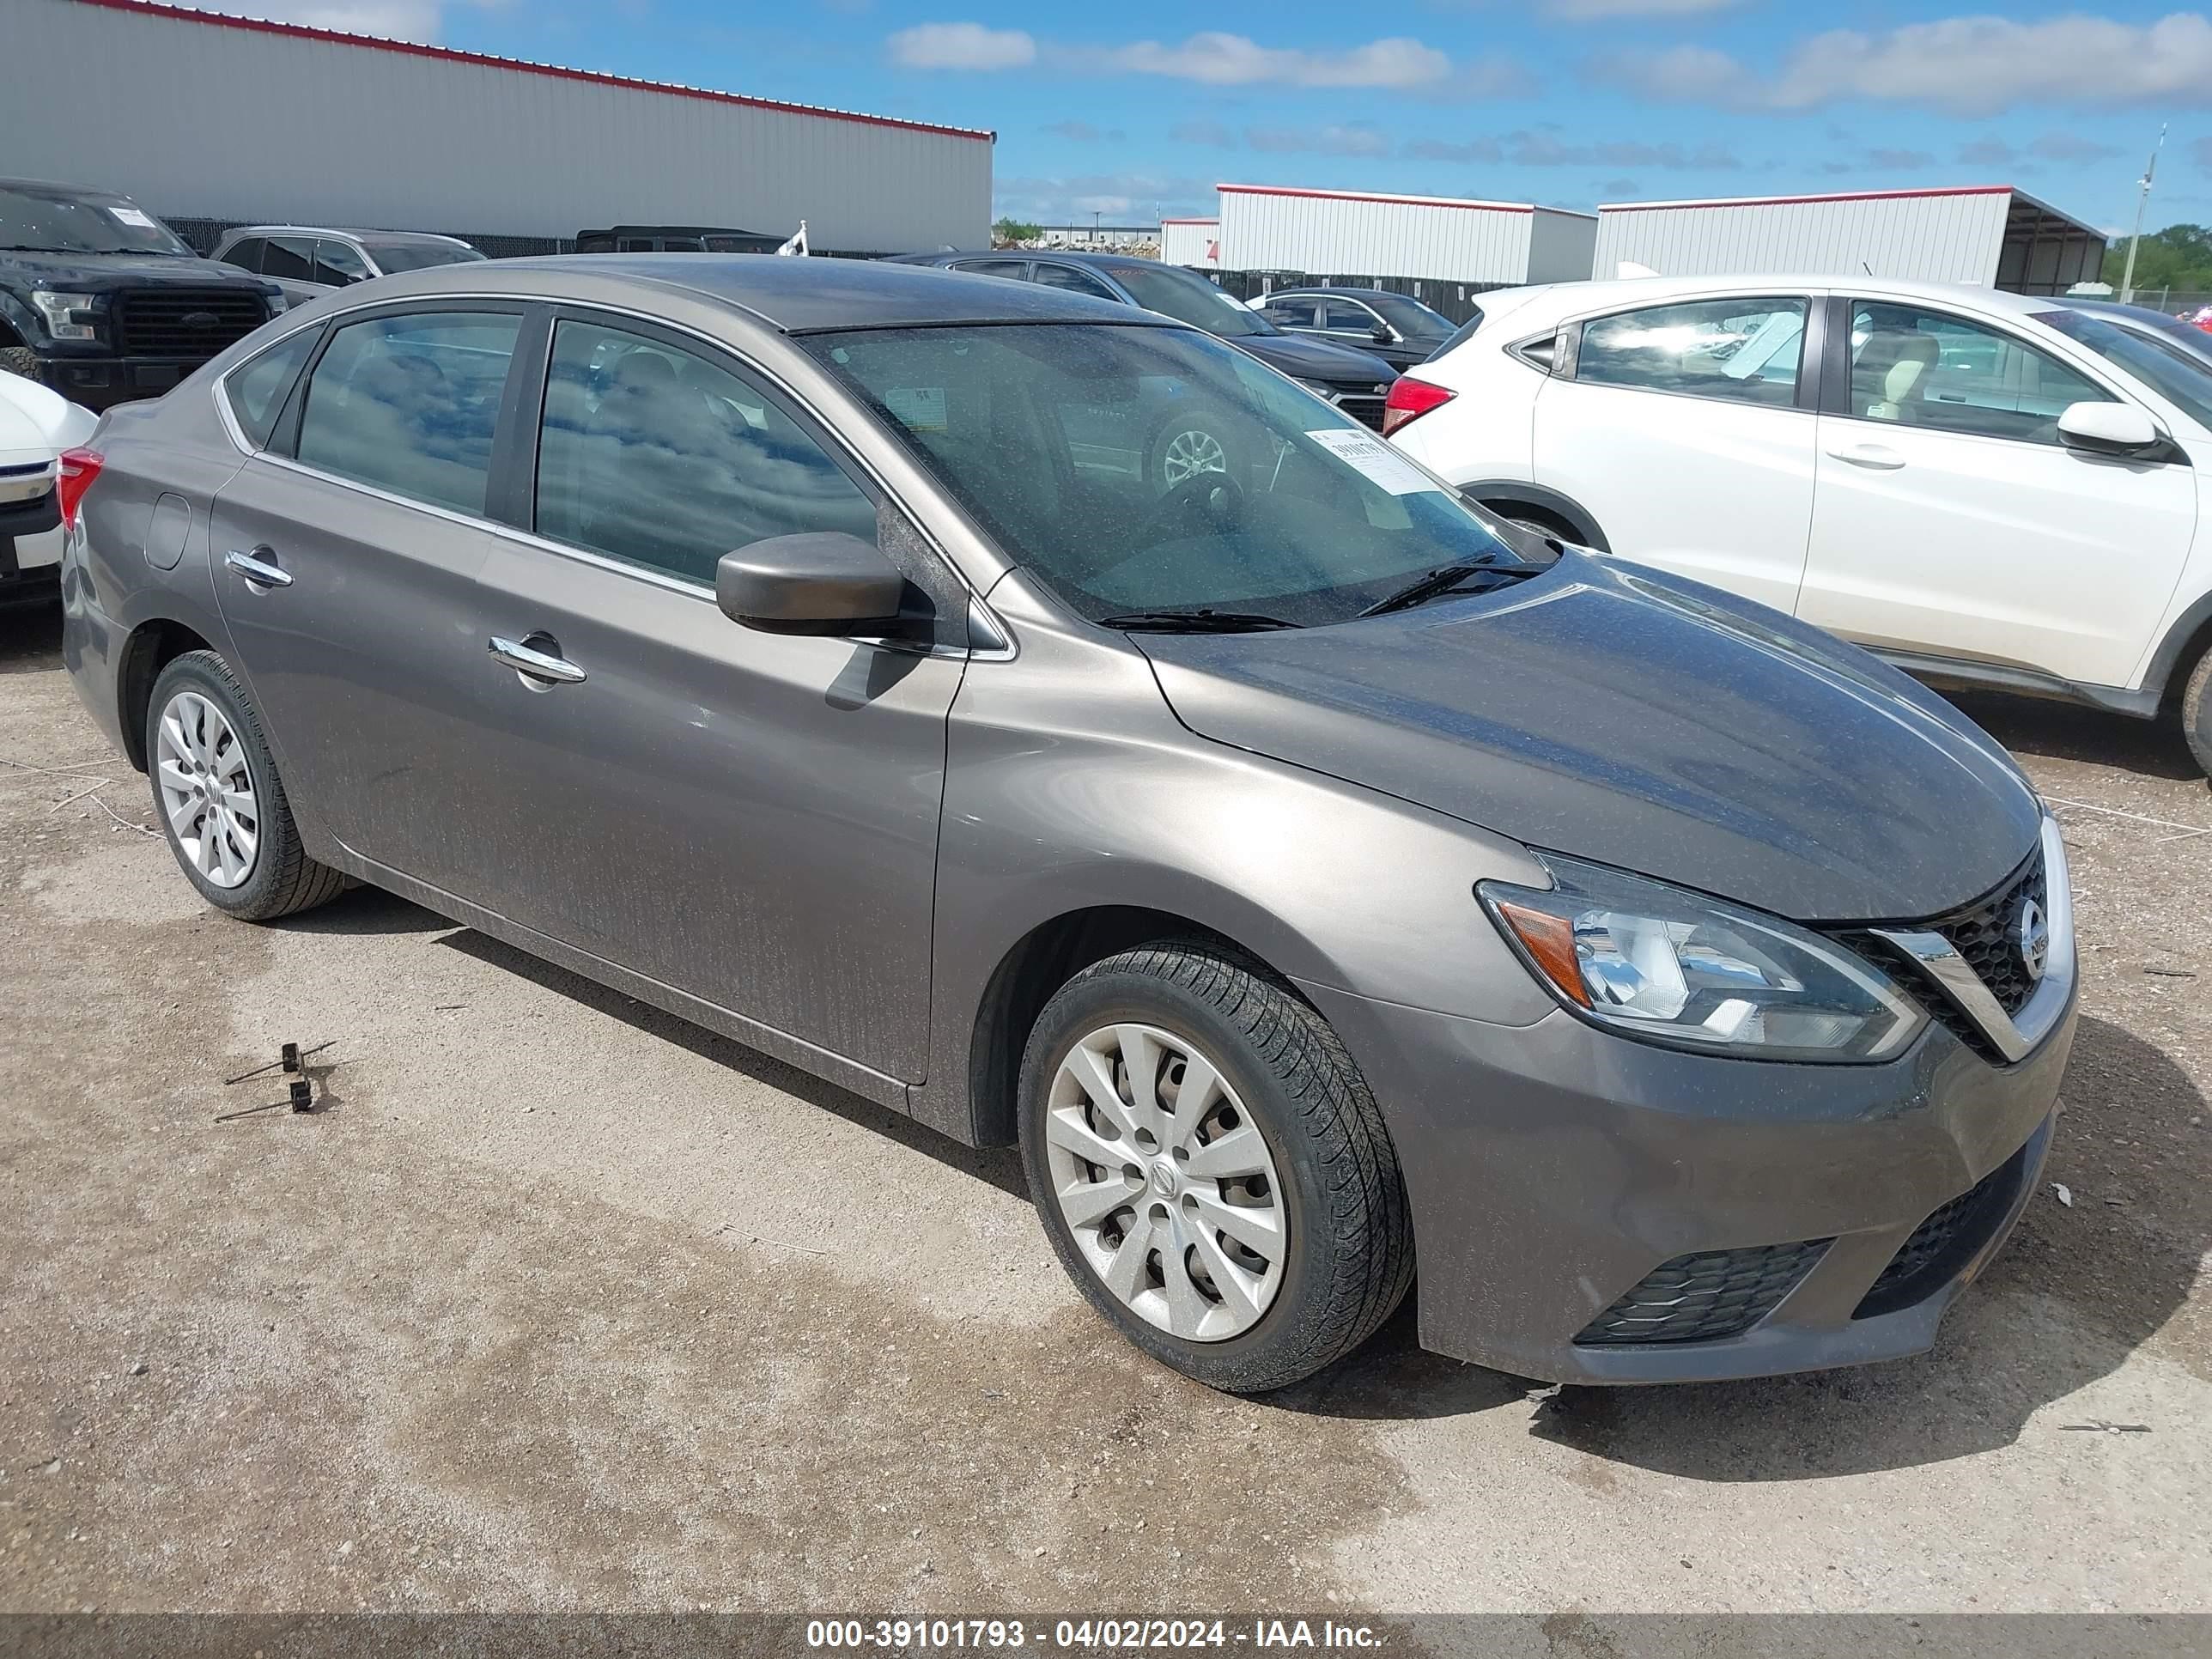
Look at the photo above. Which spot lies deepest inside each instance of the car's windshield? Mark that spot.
(1407, 315)
(1189, 298)
(391, 257)
(62, 222)
(2171, 369)
(1140, 468)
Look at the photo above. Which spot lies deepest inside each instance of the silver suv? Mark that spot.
(309, 260)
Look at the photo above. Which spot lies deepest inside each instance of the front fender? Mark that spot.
(1071, 787)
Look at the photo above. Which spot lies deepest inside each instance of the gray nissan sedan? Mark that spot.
(1314, 877)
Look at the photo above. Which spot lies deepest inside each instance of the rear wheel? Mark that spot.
(1212, 1169)
(2196, 713)
(221, 802)
(1190, 441)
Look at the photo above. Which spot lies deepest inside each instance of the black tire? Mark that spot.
(1202, 421)
(1350, 1243)
(20, 360)
(283, 880)
(2196, 713)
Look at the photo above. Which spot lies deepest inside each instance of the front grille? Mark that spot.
(1368, 411)
(1940, 1246)
(1700, 1297)
(1987, 934)
(184, 322)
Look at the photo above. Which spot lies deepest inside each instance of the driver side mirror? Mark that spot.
(2097, 428)
(1385, 335)
(821, 583)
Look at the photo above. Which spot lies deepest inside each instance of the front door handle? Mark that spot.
(538, 664)
(1877, 456)
(260, 573)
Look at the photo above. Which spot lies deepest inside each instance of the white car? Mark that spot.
(1983, 488)
(36, 425)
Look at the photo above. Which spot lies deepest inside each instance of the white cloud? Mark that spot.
(1576, 11)
(1957, 65)
(1354, 140)
(962, 46)
(420, 21)
(1217, 59)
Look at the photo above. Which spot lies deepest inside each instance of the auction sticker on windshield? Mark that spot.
(921, 408)
(131, 215)
(1375, 460)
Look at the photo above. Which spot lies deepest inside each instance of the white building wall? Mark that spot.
(219, 120)
(1336, 233)
(1191, 242)
(1948, 237)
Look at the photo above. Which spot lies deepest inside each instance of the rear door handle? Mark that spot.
(538, 664)
(260, 573)
(1877, 456)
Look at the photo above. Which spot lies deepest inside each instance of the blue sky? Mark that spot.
(1122, 110)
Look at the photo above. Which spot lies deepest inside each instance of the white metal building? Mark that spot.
(1989, 235)
(1191, 242)
(202, 115)
(1270, 227)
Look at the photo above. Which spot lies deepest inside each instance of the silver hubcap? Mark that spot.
(1189, 453)
(1165, 1183)
(207, 790)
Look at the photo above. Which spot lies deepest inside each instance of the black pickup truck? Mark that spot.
(104, 303)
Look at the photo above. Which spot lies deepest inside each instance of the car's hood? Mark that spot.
(96, 273)
(1604, 710)
(1316, 359)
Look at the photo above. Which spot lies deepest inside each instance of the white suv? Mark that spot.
(1981, 487)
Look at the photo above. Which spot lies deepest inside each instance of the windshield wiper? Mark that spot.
(1437, 583)
(1202, 620)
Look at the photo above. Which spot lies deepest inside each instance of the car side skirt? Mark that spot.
(2003, 676)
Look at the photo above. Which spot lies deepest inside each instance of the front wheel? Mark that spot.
(1192, 440)
(221, 802)
(20, 360)
(1210, 1168)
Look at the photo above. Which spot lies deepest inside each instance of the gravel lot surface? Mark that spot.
(561, 1304)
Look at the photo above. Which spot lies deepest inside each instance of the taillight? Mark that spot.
(79, 467)
(1410, 398)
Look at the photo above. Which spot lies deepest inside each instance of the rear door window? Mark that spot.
(1293, 312)
(1074, 280)
(1741, 349)
(410, 403)
(292, 258)
(1017, 269)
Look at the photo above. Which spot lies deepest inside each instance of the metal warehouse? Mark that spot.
(1489, 244)
(1989, 235)
(202, 116)
(1190, 242)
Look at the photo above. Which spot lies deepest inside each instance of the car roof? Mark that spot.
(59, 187)
(343, 230)
(792, 295)
(1624, 291)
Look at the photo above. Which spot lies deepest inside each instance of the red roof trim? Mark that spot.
(1362, 196)
(1190, 222)
(1800, 201)
(378, 43)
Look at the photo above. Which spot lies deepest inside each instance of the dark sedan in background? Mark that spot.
(1398, 328)
(1353, 377)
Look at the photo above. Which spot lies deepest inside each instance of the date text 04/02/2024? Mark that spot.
(1114, 1635)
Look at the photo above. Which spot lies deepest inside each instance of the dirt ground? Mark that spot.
(564, 1305)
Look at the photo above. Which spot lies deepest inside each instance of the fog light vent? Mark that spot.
(1701, 1298)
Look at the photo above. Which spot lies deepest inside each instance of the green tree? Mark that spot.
(1007, 232)
(2177, 257)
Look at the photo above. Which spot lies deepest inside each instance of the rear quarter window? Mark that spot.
(257, 389)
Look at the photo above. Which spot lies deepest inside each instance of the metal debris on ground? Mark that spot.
(300, 1089)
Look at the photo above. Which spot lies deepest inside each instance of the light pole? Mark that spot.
(2142, 196)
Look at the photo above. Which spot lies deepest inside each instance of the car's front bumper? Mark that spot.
(99, 383)
(30, 548)
(1553, 1167)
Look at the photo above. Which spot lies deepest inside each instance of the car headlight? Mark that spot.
(69, 316)
(1670, 966)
